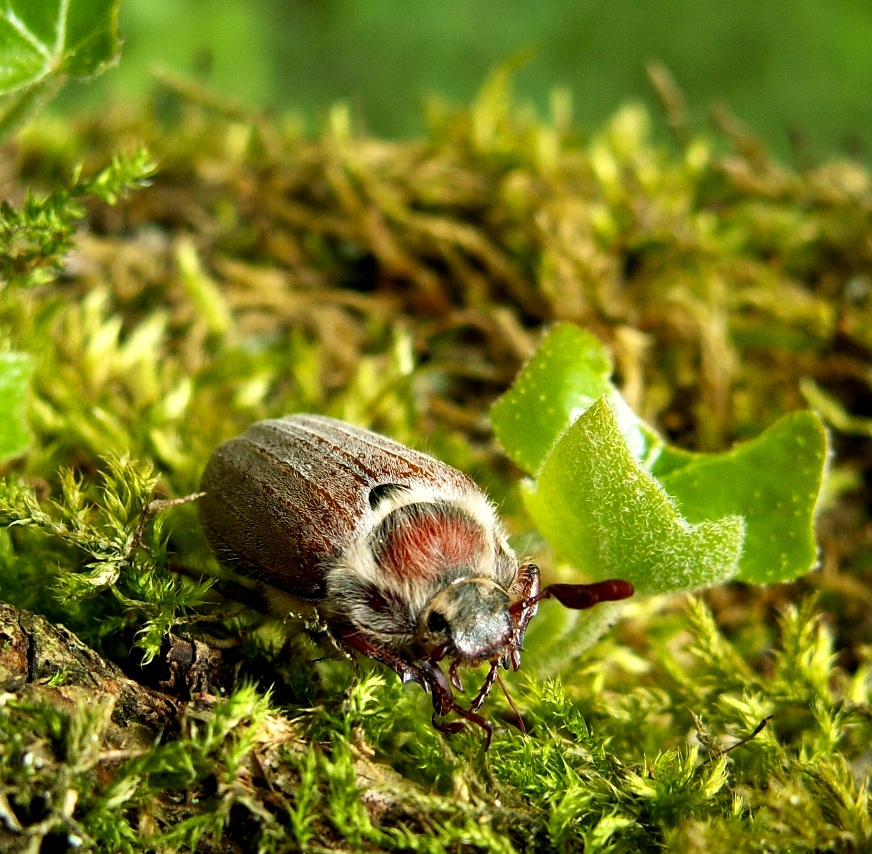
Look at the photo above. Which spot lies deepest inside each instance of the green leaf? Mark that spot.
(773, 482)
(612, 519)
(44, 43)
(615, 500)
(569, 371)
(14, 376)
(833, 412)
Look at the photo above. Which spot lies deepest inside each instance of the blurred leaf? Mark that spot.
(45, 42)
(14, 375)
(833, 412)
(558, 636)
(601, 510)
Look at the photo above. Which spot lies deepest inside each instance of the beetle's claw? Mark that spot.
(451, 727)
(407, 676)
(454, 676)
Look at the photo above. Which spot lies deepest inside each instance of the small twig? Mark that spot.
(756, 731)
(155, 506)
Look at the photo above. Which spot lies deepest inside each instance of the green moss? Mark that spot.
(401, 285)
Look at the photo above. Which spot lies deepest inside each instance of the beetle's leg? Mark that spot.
(492, 676)
(443, 696)
(453, 727)
(444, 703)
(453, 675)
(427, 674)
(406, 671)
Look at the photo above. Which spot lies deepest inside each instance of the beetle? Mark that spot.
(401, 556)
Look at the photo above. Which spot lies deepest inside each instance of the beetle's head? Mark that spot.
(469, 619)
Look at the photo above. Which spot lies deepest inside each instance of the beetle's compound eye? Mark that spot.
(436, 622)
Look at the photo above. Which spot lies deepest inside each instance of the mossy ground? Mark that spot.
(401, 285)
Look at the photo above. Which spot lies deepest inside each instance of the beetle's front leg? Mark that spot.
(492, 676)
(425, 673)
(406, 671)
(444, 702)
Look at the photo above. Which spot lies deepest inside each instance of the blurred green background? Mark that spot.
(797, 72)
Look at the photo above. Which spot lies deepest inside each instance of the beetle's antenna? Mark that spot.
(579, 596)
(511, 703)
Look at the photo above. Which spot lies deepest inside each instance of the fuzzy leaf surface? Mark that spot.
(773, 482)
(603, 512)
(569, 371)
